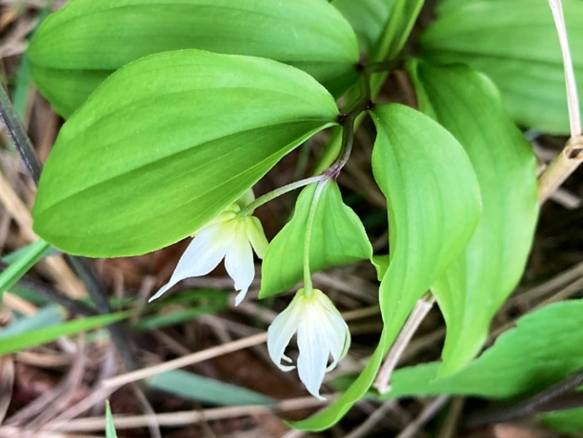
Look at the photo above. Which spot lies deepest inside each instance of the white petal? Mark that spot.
(281, 331)
(203, 255)
(336, 328)
(314, 351)
(256, 236)
(239, 262)
(338, 339)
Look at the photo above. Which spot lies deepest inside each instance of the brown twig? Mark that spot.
(427, 414)
(551, 399)
(422, 308)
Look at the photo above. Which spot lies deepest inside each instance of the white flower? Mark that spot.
(322, 333)
(228, 236)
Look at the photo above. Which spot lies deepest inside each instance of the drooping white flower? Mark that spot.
(228, 236)
(321, 333)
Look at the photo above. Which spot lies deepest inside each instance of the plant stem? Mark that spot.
(118, 332)
(348, 122)
(18, 135)
(560, 168)
(538, 403)
(422, 308)
(264, 199)
(308, 287)
(381, 67)
(570, 82)
(571, 156)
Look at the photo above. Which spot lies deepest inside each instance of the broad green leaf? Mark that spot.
(44, 335)
(337, 238)
(517, 47)
(194, 387)
(109, 424)
(543, 349)
(432, 214)
(168, 142)
(367, 17)
(79, 46)
(471, 291)
(26, 260)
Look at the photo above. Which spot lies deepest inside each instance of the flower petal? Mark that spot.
(338, 337)
(314, 351)
(336, 328)
(203, 255)
(281, 331)
(256, 236)
(239, 262)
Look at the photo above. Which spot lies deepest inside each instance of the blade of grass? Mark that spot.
(38, 337)
(26, 260)
(46, 317)
(23, 78)
(15, 255)
(195, 308)
(109, 426)
(199, 388)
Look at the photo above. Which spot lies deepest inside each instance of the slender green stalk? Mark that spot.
(340, 144)
(349, 125)
(308, 287)
(264, 199)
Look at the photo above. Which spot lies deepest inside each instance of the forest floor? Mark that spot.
(59, 389)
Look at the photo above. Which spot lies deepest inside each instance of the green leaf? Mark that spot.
(109, 425)
(26, 260)
(20, 252)
(381, 264)
(543, 349)
(41, 336)
(517, 47)
(367, 17)
(193, 387)
(337, 238)
(180, 308)
(568, 421)
(167, 143)
(397, 29)
(82, 44)
(23, 86)
(477, 284)
(432, 214)
(49, 315)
